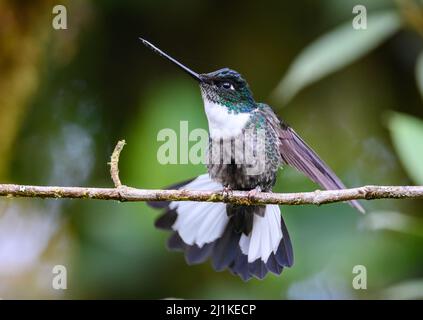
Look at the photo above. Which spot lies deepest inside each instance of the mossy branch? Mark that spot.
(124, 193)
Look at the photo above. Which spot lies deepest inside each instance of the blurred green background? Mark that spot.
(67, 96)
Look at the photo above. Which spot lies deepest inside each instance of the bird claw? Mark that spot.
(253, 192)
(226, 192)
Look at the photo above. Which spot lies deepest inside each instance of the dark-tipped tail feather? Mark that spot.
(225, 252)
(250, 241)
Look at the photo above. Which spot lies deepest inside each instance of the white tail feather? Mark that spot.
(265, 236)
(200, 222)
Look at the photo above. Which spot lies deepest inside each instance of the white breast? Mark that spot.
(222, 123)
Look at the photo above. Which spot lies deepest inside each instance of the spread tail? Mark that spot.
(240, 238)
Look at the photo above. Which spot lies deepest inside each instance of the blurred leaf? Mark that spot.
(405, 290)
(394, 221)
(419, 73)
(336, 49)
(323, 285)
(407, 136)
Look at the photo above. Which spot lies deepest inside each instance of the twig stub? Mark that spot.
(114, 163)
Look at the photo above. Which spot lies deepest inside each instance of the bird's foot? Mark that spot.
(227, 191)
(253, 192)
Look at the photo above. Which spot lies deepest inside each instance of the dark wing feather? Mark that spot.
(296, 153)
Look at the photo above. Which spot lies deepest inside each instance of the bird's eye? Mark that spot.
(227, 85)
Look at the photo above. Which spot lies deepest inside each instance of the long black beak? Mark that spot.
(193, 74)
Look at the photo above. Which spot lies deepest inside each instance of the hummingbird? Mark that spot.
(249, 240)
